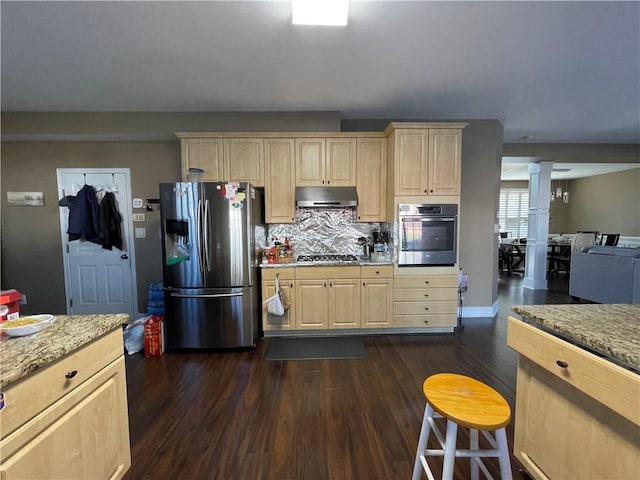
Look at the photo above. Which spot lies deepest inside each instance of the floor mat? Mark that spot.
(314, 348)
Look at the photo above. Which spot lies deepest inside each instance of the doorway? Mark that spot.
(98, 280)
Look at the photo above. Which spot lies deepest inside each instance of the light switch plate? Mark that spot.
(138, 217)
(141, 233)
(137, 203)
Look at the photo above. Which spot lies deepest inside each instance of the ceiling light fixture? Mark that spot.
(320, 12)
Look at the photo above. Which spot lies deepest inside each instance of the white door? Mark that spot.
(98, 280)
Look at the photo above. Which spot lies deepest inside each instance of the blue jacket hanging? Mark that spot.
(84, 216)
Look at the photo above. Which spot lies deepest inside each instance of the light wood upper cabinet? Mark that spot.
(203, 153)
(310, 162)
(340, 169)
(411, 162)
(280, 185)
(325, 162)
(244, 160)
(445, 155)
(428, 161)
(372, 179)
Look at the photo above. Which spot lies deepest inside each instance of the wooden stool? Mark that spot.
(469, 403)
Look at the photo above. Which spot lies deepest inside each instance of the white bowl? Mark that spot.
(43, 322)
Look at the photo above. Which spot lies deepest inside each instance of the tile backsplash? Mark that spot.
(325, 231)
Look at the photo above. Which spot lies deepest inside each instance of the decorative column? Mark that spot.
(538, 231)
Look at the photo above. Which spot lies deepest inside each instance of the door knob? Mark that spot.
(124, 256)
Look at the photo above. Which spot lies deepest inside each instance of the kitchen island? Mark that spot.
(578, 390)
(64, 411)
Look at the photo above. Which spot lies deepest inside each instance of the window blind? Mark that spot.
(513, 212)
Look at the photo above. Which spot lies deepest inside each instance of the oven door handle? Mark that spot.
(438, 219)
(428, 219)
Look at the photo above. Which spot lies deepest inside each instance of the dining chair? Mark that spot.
(512, 257)
(595, 234)
(609, 239)
(562, 262)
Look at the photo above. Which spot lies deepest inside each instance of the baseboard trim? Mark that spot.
(481, 312)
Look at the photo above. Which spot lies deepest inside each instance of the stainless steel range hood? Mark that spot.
(326, 197)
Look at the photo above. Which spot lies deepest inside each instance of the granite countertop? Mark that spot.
(356, 263)
(611, 330)
(20, 356)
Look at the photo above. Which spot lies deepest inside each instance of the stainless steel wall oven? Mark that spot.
(428, 234)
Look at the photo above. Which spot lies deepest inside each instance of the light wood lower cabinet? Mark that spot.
(425, 301)
(287, 279)
(377, 296)
(83, 434)
(328, 297)
(577, 421)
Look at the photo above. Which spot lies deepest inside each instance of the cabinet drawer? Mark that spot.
(439, 320)
(424, 294)
(375, 271)
(424, 308)
(83, 435)
(427, 281)
(286, 273)
(28, 397)
(320, 273)
(610, 384)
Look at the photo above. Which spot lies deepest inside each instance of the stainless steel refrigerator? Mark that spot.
(210, 263)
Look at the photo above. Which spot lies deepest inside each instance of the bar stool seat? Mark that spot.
(469, 403)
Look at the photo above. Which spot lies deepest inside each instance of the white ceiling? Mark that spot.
(556, 71)
(517, 168)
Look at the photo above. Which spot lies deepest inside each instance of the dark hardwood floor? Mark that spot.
(236, 416)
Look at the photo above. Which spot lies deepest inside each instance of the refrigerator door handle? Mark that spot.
(213, 295)
(207, 226)
(199, 234)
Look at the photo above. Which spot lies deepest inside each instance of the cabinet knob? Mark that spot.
(426, 308)
(364, 284)
(328, 182)
(425, 191)
(562, 364)
(331, 284)
(71, 374)
(291, 285)
(426, 321)
(431, 190)
(426, 294)
(426, 281)
(325, 285)
(377, 272)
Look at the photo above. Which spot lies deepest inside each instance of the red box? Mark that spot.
(154, 336)
(10, 298)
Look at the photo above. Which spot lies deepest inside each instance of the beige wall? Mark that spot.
(606, 203)
(481, 163)
(31, 247)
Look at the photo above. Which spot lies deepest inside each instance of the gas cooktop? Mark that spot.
(327, 258)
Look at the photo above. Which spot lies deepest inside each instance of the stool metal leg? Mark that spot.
(503, 457)
(422, 442)
(473, 436)
(450, 450)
